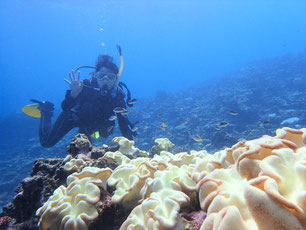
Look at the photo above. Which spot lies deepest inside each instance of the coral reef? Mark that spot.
(46, 176)
(267, 180)
(163, 144)
(74, 164)
(236, 188)
(74, 206)
(79, 144)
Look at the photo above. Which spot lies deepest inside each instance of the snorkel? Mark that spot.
(115, 87)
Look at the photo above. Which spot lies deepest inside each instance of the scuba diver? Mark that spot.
(92, 105)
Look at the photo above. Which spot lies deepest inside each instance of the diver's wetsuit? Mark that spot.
(89, 111)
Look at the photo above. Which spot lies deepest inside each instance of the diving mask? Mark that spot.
(106, 76)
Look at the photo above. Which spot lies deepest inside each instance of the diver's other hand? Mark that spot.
(75, 84)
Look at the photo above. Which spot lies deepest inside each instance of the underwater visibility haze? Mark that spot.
(167, 45)
(206, 75)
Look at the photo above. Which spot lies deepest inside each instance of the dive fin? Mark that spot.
(32, 110)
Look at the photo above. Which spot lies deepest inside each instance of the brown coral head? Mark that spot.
(79, 144)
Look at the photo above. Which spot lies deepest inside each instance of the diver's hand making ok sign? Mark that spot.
(75, 84)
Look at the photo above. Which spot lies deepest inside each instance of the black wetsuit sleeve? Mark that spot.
(124, 127)
(68, 102)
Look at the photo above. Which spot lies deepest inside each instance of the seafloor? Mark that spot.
(254, 101)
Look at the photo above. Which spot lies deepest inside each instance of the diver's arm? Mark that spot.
(75, 93)
(68, 102)
(124, 123)
(124, 127)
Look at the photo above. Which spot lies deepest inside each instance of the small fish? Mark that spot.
(132, 101)
(145, 127)
(159, 115)
(196, 106)
(182, 109)
(134, 129)
(197, 138)
(125, 114)
(119, 110)
(186, 121)
(266, 122)
(112, 118)
(163, 125)
(233, 112)
(222, 124)
(110, 128)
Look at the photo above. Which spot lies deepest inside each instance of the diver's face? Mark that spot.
(106, 79)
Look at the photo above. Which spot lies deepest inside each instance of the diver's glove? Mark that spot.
(44, 106)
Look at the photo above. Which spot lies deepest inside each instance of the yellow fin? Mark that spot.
(32, 110)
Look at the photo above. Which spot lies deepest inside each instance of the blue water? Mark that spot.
(168, 47)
